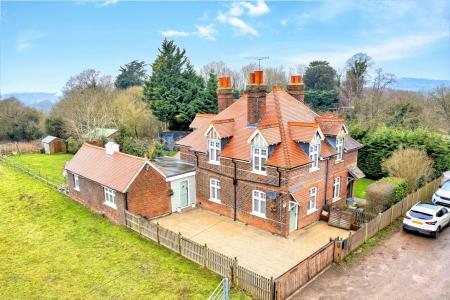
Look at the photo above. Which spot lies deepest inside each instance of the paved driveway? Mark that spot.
(255, 249)
(406, 266)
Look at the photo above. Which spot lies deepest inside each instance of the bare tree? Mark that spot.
(441, 99)
(381, 82)
(218, 68)
(275, 76)
(87, 79)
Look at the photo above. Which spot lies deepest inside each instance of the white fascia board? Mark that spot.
(181, 176)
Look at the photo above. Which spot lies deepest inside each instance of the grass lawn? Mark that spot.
(359, 189)
(50, 165)
(53, 247)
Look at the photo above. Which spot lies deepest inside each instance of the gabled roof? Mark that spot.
(200, 120)
(285, 122)
(351, 144)
(331, 124)
(115, 171)
(49, 139)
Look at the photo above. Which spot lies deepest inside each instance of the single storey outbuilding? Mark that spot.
(52, 144)
(110, 182)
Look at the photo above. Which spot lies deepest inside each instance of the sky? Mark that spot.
(43, 44)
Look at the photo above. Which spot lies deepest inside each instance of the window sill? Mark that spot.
(338, 161)
(215, 200)
(336, 199)
(311, 170)
(110, 205)
(259, 215)
(213, 162)
(311, 211)
(264, 173)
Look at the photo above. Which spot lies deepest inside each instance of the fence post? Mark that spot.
(233, 272)
(349, 242)
(179, 242)
(272, 288)
(379, 221)
(157, 232)
(366, 232)
(205, 255)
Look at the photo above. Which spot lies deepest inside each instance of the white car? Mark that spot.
(427, 218)
(442, 195)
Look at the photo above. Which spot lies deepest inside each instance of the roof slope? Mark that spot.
(115, 171)
(170, 166)
(48, 139)
(285, 122)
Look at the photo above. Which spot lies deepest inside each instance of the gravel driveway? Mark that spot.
(406, 266)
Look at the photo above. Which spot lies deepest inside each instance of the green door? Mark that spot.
(184, 193)
(293, 212)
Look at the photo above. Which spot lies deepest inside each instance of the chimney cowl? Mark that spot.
(224, 82)
(111, 148)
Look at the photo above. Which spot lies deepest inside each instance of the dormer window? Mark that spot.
(314, 152)
(260, 152)
(340, 147)
(214, 147)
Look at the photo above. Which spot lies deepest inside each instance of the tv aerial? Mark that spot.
(258, 58)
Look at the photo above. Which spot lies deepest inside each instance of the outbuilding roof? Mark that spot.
(171, 167)
(116, 171)
(49, 139)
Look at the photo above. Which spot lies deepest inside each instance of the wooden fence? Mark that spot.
(302, 273)
(20, 147)
(296, 278)
(258, 286)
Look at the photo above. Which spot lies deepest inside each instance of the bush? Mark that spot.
(381, 143)
(321, 100)
(379, 195)
(131, 145)
(73, 145)
(412, 164)
(157, 150)
(400, 189)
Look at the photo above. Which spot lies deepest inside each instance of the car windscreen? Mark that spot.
(420, 215)
(446, 186)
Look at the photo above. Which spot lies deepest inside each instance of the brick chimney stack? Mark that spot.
(256, 97)
(296, 88)
(224, 93)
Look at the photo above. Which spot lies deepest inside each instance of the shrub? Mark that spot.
(157, 150)
(73, 145)
(412, 164)
(379, 195)
(381, 143)
(400, 189)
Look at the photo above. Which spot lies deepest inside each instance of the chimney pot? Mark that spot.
(259, 77)
(111, 148)
(296, 88)
(251, 79)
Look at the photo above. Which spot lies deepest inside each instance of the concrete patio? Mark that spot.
(255, 249)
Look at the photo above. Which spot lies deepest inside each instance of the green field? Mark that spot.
(53, 247)
(359, 189)
(49, 166)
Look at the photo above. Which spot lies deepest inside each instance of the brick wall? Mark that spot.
(92, 195)
(148, 195)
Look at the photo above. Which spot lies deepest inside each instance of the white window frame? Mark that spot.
(214, 147)
(214, 190)
(110, 197)
(314, 153)
(336, 188)
(259, 201)
(312, 202)
(340, 148)
(260, 154)
(76, 182)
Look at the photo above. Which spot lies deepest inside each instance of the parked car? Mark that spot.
(426, 218)
(442, 195)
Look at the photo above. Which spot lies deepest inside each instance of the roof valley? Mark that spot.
(281, 127)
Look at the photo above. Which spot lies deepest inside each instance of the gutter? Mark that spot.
(326, 180)
(235, 191)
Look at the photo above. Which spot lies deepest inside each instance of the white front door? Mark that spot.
(293, 215)
(184, 193)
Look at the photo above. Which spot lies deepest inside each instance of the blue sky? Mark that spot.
(44, 43)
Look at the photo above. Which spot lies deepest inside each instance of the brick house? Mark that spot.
(267, 159)
(110, 182)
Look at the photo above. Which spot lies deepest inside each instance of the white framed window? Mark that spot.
(340, 147)
(76, 182)
(314, 153)
(312, 201)
(214, 190)
(260, 152)
(259, 203)
(336, 187)
(213, 151)
(110, 197)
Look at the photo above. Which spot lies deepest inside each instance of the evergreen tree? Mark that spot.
(208, 102)
(132, 74)
(319, 75)
(173, 86)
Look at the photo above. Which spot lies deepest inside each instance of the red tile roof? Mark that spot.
(115, 171)
(330, 124)
(286, 121)
(200, 120)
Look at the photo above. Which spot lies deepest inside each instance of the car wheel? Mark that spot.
(436, 233)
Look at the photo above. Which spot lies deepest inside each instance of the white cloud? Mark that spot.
(393, 49)
(175, 33)
(283, 22)
(206, 32)
(260, 8)
(28, 40)
(235, 12)
(108, 3)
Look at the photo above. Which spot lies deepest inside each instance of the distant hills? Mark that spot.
(418, 84)
(40, 101)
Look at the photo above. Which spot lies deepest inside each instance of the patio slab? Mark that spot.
(255, 249)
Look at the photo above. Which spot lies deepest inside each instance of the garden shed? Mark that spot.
(52, 144)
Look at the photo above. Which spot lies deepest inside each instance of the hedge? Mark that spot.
(386, 192)
(381, 143)
(400, 189)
